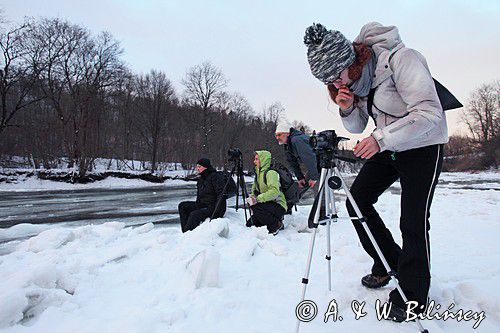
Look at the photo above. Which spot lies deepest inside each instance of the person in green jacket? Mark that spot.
(267, 202)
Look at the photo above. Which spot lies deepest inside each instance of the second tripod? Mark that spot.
(236, 157)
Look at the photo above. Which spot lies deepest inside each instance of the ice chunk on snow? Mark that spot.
(242, 248)
(50, 239)
(12, 305)
(208, 232)
(219, 227)
(21, 230)
(204, 268)
(144, 228)
(45, 276)
(275, 248)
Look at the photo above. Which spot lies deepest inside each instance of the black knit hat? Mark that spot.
(328, 52)
(204, 162)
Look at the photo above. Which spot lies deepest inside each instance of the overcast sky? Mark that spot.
(258, 44)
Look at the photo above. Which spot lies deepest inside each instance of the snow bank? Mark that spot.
(21, 230)
(225, 277)
(26, 184)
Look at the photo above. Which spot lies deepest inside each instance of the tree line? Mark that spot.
(66, 94)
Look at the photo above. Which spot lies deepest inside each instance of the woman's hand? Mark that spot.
(344, 98)
(251, 201)
(366, 148)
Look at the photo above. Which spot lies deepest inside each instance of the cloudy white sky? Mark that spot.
(258, 44)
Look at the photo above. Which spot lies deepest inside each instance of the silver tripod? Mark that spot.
(330, 174)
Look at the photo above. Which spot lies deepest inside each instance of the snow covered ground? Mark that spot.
(224, 277)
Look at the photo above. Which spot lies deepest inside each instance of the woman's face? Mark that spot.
(343, 79)
(256, 161)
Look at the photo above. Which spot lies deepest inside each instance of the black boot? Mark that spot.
(374, 282)
(281, 226)
(397, 313)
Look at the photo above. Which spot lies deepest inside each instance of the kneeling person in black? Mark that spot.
(210, 189)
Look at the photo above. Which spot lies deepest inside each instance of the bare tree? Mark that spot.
(482, 117)
(234, 111)
(155, 98)
(17, 75)
(79, 102)
(77, 69)
(301, 126)
(272, 113)
(203, 86)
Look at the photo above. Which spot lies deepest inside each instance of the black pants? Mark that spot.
(192, 213)
(267, 214)
(418, 171)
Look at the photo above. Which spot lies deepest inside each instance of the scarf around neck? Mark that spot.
(362, 86)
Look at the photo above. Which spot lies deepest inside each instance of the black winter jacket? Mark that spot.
(210, 187)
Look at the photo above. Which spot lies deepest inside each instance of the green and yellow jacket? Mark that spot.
(268, 189)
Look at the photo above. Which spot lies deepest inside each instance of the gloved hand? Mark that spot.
(312, 183)
(251, 201)
(302, 183)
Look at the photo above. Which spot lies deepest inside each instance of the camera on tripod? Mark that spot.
(232, 188)
(325, 141)
(234, 154)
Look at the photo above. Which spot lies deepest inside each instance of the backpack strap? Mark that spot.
(369, 102)
(265, 176)
(371, 94)
(390, 56)
(257, 180)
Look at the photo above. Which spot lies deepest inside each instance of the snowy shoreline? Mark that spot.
(34, 184)
(224, 277)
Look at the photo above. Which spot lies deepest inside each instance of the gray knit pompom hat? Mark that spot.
(328, 52)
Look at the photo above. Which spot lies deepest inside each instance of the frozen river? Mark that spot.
(140, 205)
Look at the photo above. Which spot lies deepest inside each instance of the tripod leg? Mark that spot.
(328, 257)
(334, 207)
(238, 189)
(223, 194)
(305, 279)
(328, 196)
(244, 195)
(374, 243)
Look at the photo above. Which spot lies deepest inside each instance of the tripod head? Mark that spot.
(325, 145)
(236, 156)
(327, 159)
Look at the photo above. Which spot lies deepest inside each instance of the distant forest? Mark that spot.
(67, 95)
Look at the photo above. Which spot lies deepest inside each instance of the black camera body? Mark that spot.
(325, 141)
(234, 154)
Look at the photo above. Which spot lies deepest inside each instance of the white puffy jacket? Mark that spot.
(406, 106)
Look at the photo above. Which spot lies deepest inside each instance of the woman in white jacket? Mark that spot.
(378, 77)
